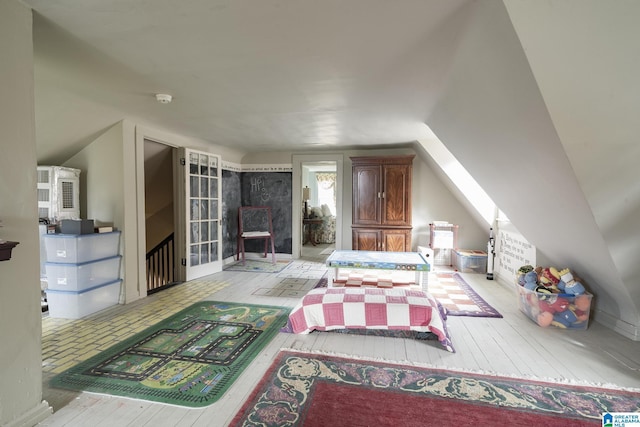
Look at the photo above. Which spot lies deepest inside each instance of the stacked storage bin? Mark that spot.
(83, 273)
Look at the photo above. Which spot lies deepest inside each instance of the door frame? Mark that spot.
(296, 214)
(141, 134)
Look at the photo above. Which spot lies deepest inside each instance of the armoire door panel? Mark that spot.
(397, 194)
(366, 240)
(396, 241)
(366, 189)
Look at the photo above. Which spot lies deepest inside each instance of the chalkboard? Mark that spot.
(254, 218)
(270, 189)
(231, 201)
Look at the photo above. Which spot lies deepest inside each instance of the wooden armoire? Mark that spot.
(382, 203)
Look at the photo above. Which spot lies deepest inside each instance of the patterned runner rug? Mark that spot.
(458, 297)
(189, 359)
(323, 390)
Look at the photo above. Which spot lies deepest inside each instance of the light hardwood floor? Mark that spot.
(511, 346)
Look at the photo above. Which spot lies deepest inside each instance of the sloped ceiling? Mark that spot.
(255, 75)
(537, 99)
(587, 74)
(497, 117)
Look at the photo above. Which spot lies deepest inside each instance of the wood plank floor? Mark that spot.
(511, 346)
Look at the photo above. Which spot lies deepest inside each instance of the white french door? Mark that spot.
(201, 214)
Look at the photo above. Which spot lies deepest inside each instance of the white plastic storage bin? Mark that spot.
(75, 305)
(79, 248)
(78, 277)
(470, 261)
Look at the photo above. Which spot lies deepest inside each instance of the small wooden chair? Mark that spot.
(254, 222)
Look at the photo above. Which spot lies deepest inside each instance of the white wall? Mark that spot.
(20, 314)
(496, 124)
(103, 194)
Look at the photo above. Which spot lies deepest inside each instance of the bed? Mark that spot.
(326, 309)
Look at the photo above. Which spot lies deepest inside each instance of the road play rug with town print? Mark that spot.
(189, 359)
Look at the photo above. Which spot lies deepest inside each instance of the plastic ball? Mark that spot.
(545, 318)
(583, 302)
(532, 300)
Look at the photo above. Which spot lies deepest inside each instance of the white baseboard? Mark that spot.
(33, 416)
(623, 328)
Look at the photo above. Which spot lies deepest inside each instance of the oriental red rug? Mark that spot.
(302, 389)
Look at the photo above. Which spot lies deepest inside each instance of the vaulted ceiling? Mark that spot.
(537, 99)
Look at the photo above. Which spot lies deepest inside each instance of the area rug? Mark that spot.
(457, 297)
(289, 287)
(301, 389)
(189, 359)
(258, 266)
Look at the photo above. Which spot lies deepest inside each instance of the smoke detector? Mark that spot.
(163, 98)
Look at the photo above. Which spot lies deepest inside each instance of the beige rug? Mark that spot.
(289, 288)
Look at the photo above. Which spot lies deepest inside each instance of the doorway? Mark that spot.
(159, 216)
(317, 201)
(319, 217)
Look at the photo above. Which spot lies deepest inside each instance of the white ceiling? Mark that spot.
(253, 75)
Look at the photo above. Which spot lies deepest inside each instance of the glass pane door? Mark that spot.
(203, 181)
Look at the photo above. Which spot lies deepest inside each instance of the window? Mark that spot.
(327, 190)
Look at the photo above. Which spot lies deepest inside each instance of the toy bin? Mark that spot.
(470, 261)
(78, 304)
(79, 248)
(562, 311)
(78, 277)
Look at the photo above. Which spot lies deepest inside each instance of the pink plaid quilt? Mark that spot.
(325, 309)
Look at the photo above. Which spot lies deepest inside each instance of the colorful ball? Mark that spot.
(583, 302)
(545, 318)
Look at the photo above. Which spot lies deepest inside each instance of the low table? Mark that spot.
(377, 268)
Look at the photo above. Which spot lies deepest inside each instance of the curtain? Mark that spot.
(327, 189)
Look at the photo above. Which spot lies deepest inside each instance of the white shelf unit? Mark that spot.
(443, 240)
(58, 193)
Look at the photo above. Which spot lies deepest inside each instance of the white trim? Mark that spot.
(33, 416)
(230, 166)
(237, 167)
(143, 133)
(617, 325)
(267, 168)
